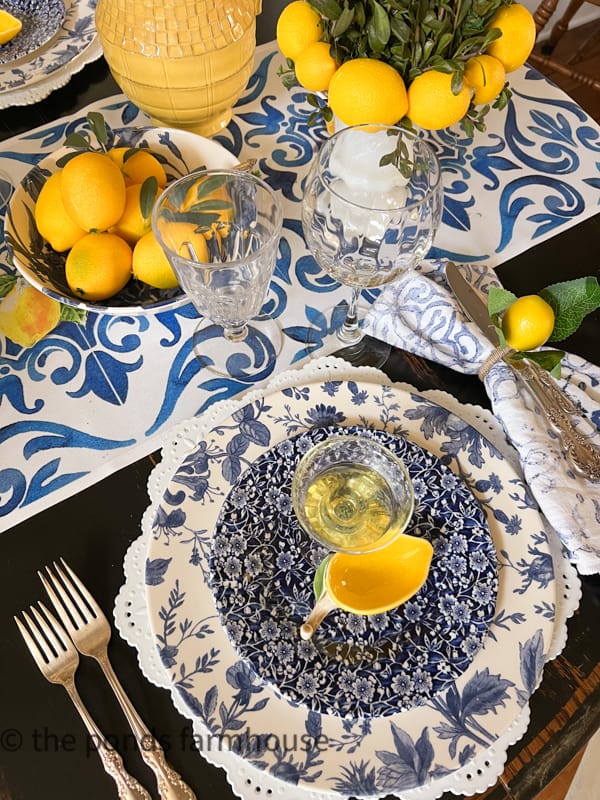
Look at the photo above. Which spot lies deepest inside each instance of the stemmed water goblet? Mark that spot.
(220, 232)
(371, 208)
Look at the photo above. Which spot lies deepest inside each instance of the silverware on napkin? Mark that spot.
(89, 629)
(57, 658)
(557, 408)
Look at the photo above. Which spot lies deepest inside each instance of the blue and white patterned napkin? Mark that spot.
(420, 314)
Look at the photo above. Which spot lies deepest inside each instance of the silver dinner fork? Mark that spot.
(89, 629)
(53, 652)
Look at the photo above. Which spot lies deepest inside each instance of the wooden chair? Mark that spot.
(544, 59)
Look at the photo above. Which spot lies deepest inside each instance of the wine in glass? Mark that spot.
(371, 208)
(352, 494)
(220, 232)
(355, 497)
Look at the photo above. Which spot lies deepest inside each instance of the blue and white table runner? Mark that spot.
(90, 398)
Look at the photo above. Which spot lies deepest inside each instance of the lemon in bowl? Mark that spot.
(43, 263)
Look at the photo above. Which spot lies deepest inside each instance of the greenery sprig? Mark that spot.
(412, 37)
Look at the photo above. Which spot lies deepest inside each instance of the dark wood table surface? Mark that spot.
(43, 749)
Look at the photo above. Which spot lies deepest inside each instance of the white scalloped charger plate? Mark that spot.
(391, 754)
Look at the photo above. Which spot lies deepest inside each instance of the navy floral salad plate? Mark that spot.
(262, 569)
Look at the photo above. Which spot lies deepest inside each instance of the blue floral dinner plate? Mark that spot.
(262, 569)
(322, 751)
(41, 20)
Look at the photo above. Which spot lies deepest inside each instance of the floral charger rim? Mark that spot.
(221, 691)
(41, 21)
(76, 34)
(262, 566)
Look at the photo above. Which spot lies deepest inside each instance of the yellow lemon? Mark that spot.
(27, 315)
(528, 323)
(202, 200)
(51, 218)
(365, 90)
(93, 191)
(9, 26)
(432, 104)
(298, 26)
(486, 76)
(518, 36)
(98, 266)
(138, 166)
(372, 583)
(315, 67)
(151, 265)
(176, 236)
(132, 225)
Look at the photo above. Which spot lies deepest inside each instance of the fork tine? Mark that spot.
(65, 608)
(31, 643)
(77, 588)
(52, 630)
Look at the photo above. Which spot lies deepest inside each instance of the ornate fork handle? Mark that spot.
(127, 786)
(582, 454)
(171, 786)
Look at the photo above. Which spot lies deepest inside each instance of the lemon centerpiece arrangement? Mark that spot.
(431, 64)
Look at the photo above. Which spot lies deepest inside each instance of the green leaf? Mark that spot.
(571, 302)
(343, 22)
(500, 333)
(6, 284)
(131, 151)
(98, 127)
(378, 27)
(327, 8)
(60, 162)
(547, 359)
(499, 300)
(148, 196)
(71, 314)
(77, 140)
(319, 579)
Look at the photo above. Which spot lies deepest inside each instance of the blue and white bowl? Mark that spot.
(180, 152)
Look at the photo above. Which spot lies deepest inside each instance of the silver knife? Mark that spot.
(557, 408)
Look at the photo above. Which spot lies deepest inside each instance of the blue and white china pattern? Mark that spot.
(40, 21)
(91, 397)
(74, 44)
(369, 755)
(420, 314)
(262, 568)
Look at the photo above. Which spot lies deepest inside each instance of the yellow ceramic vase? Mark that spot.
(183, 62)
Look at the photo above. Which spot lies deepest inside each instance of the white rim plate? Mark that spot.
(394, 753)
(33, 77)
